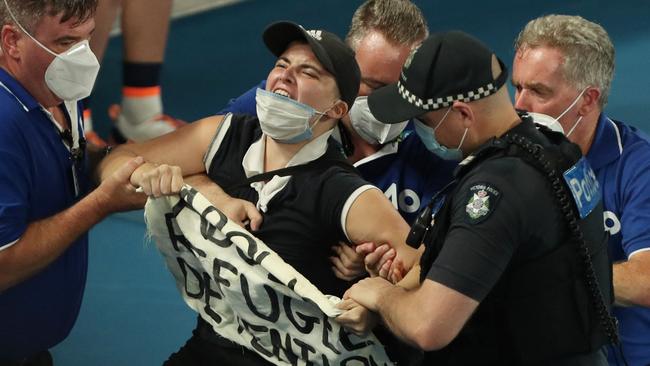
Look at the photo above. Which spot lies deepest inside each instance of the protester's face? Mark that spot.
(540, 85)
(380, 61)
(299, 75)
(34, 60)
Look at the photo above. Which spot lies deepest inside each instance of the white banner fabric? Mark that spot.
(247, 292)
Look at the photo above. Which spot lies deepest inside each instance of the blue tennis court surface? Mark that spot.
(132, 313)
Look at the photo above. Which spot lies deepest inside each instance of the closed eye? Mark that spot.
(373, 84)
(310, 73)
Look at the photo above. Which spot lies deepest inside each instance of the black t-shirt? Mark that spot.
(303, 221)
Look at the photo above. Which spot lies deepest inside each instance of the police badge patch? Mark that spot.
(481, 202)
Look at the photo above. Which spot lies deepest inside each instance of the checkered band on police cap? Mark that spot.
(432, 105)
(447, 67)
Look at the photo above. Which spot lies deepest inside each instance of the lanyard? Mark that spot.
(76, 152)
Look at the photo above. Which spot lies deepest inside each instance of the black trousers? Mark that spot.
(40, 359)
(206, 348)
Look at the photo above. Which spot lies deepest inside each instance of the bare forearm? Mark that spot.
(116, 159)
(242, 212)
(393, 308)
(428, 317)
(45, 240)
(208, 188)
(184, 148)
(113, 161)
(632, 281)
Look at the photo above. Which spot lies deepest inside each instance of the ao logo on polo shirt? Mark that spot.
(407, 200)
(612, 223)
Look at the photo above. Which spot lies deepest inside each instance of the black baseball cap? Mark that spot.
(447, 67)
(335, 56)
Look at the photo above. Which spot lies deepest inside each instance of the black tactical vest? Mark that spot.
(543, 309)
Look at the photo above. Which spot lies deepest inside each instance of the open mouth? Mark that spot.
(282, 92)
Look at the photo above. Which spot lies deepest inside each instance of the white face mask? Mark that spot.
(71, 75)
(284, 119)
(547, 123)
(369, 128)
(546, 120)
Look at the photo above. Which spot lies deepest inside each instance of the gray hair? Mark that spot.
(587, 49)
(400, 21)
(30, 12)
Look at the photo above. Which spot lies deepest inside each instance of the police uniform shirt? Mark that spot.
(620, 157)
(503, 215)
(502, 211)
(36, 182)
(304, 215)
(407, 173)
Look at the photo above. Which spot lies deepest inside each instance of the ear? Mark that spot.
(338, 110)
(9, 37)
(467, 114)
(590, 101)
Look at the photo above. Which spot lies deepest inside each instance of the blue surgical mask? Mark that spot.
(284, 119)
(428, 137)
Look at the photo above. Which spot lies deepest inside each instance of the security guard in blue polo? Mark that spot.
(515, 269)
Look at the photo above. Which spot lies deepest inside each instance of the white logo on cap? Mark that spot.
(316, 34)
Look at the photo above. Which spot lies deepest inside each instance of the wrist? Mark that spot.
(98, 203)
(384, 296)
(218, 197)
(136, 177)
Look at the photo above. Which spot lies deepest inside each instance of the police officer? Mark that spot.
(515, 269)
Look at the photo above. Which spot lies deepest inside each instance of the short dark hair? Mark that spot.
(30, 12)
(400, 21)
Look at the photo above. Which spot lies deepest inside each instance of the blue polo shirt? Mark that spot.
(620, 156)
(407, 173)
(245, 103)
(36, 182)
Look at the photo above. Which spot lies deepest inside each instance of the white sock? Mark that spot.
(136, 110)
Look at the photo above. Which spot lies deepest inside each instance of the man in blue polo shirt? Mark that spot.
(382, 34)
(46, 66)
(563, 67)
